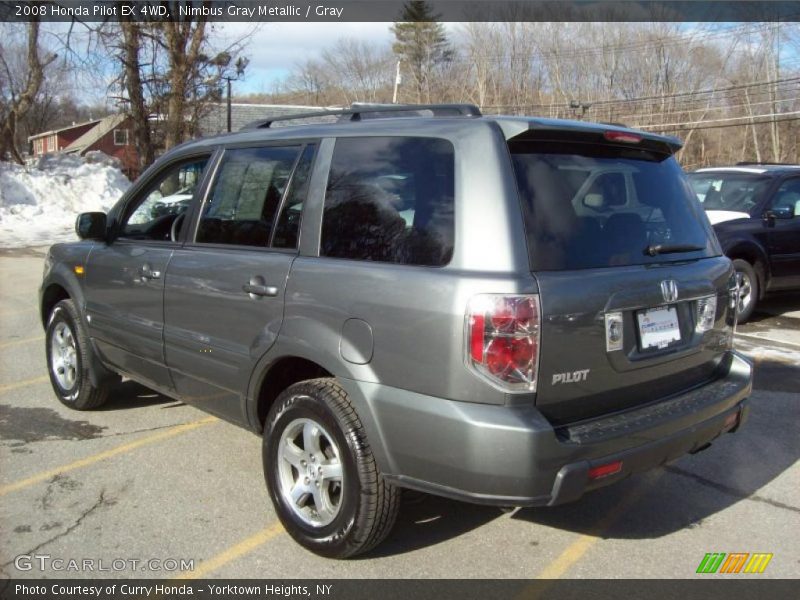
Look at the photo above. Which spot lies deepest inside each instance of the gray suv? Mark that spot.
(501, 310)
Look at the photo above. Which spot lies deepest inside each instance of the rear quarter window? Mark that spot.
(390, 199)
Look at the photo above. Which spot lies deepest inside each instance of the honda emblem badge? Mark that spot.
(669, 289)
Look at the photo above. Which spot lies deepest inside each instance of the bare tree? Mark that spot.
(185, 41)
(132, 80)
(19, 93)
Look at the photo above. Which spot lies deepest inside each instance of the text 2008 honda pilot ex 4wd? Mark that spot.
(502, 310)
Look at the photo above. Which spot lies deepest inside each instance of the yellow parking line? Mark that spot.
(94, 458)
(21, 341)
(581, 546)
(24, 383)
(246, 546)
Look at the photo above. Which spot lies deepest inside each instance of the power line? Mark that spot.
(605, 102)
(749, 121)
(677, 130)
(680, 111)
(668, 106)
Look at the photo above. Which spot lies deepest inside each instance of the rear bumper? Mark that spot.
(512, 456)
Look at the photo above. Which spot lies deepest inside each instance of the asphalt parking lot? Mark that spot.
(150, 479)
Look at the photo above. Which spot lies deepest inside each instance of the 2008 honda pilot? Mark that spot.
(502, 310)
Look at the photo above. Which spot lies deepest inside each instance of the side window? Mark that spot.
(390, 199)
(788, 197)
(152, 215)
(287, 230)
(246, 196)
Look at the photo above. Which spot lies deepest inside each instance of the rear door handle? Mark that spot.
(255, 289)
(148, 273)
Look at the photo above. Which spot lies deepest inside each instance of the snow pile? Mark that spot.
(39, 202)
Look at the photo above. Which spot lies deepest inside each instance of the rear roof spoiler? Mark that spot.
(518, 129)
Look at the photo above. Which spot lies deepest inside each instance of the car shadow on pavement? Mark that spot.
(685, 493)
(777, 305)
(426, 520)
(129, 394)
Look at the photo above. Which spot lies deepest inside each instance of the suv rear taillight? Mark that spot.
(706, 313)
(502, 339)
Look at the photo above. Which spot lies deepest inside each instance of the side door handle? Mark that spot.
(256, 289)
(147, 272)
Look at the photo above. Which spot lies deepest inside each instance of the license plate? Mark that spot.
(658, 327)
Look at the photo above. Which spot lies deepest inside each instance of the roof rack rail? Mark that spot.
(357, 110)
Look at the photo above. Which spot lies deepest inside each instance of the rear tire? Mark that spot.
(321, 474)
(68, 359)
(748, 289)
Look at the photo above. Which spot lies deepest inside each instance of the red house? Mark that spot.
(112, 136)
(58, 139)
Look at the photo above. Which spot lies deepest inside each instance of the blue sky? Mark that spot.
(275, 48)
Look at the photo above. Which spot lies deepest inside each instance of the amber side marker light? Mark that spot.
(605, 470)
(78, 269)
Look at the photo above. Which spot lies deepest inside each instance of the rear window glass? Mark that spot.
(390, 199)
(589, 206)
(733, 192)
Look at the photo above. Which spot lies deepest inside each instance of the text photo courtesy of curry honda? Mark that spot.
(328, 299)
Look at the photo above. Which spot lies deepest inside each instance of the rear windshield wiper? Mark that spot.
(654, 249)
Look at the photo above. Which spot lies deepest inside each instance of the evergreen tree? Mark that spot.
(420, 44)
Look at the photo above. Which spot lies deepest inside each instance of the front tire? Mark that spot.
(321, 474)
(748, 289)
(68, 358)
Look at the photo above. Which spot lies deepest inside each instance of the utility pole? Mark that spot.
(241, 65)
(397, 81)
(228, 79)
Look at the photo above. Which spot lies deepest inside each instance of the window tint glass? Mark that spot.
(626, 202)
(390, 199)
(788, 197)
(287, 230)
(246, 195)
(731, 191)
(165, 201)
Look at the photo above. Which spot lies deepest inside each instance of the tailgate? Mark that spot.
(633, 287)
(580, 377)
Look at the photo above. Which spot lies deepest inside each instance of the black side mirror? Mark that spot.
(91, 226)
(783, 212)
(778, 212)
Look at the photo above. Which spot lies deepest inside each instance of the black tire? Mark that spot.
(367, 504)
(748, 280)
(81, 394)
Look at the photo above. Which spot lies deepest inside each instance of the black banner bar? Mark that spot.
(390, 10)
(710, 587)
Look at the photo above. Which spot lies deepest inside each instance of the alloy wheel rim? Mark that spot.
(745, 291)
(310, 472)
(64, 356)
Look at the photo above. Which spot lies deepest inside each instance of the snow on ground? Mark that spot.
(39, 202)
